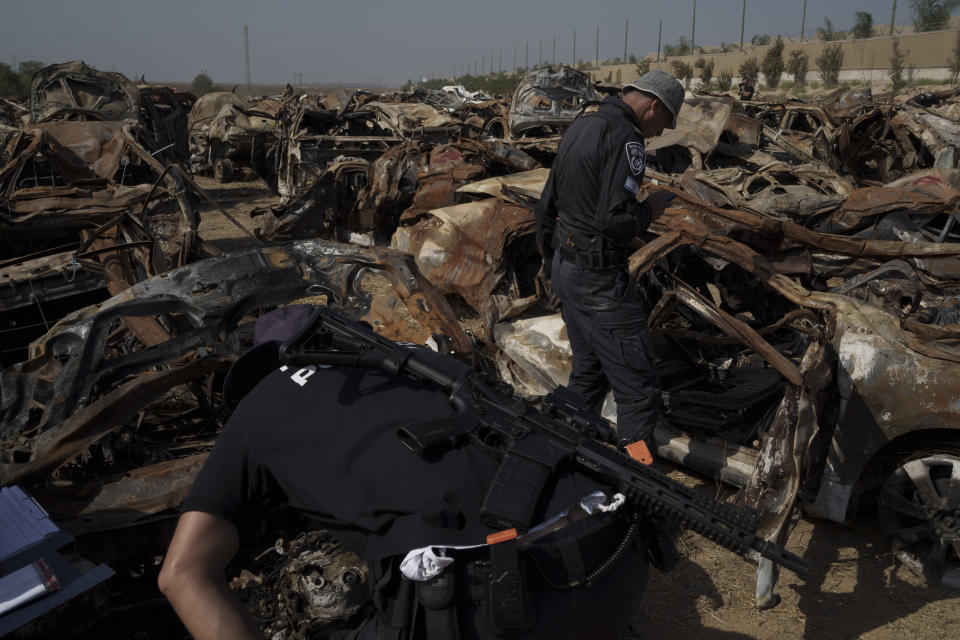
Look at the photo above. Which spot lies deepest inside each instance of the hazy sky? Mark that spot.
(361, 41)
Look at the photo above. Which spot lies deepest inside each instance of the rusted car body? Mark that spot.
(548, 99)
(72, 92)
(100, 367)
(231, 134)
(804, 309)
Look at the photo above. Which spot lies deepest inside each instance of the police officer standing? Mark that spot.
(587, 216)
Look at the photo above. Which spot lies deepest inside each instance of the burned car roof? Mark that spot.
(60, 90)
(549, 98)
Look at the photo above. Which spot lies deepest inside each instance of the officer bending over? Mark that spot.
(323, 440)
(586, 219)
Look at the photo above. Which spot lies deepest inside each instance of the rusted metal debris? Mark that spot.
(231, 135)
(803, 288)
(548, 99)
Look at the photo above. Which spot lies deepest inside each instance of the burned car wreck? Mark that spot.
(548, 99)
(802, 292)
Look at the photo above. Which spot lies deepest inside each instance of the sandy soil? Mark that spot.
(856, 589)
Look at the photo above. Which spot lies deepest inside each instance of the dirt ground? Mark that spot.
(856, 588)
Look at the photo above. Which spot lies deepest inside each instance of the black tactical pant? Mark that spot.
(607, 328)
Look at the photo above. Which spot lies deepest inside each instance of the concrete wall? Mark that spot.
(866, 60)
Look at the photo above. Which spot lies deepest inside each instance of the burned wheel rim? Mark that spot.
(919, 509)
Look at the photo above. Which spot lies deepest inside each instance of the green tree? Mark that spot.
(681, 49)
(897, 59)
(954, 62)
(9, 82)
(749, 70)
(643, 67)
(828, 34)
(760, 39)
(202, 84)
(772, 65)
(932, 15)
(27, 69)
(797, 66)
(863, 28)
(829, 62)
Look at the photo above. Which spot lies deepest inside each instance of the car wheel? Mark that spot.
(919, 508)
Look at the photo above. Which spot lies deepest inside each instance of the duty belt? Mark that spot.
(594, 252)
(579, 554)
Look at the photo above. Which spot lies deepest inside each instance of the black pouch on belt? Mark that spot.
(508, 597)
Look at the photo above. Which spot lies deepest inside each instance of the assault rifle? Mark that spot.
(530, 443)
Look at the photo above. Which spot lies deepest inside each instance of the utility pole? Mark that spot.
(553, 59)
(540, 59)
(743, 18)
(626, 29)
(803, 20)
(659, 37)
(893, 14)
(526, 59)
(597, 52)
(514, 58)
(500, 63)
(693, 29)
(574, 62)
(491, 63)
(246, 57)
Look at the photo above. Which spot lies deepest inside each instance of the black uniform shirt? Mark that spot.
(595, 178)
(323, 440)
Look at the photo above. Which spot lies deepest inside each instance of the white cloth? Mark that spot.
(425, 563)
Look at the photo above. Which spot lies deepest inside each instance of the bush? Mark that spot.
(828, 34)
(932, 15)
(760, 40)
(897, 59)
(681, 49)
(682, 70)
(798, 65)
(201, 84)
(954, 62)
(863, 27)
(706, 70)
(724, 80)
(10, 84)
(749, 71)
(772, 65)
(643, 67)
(828, 64)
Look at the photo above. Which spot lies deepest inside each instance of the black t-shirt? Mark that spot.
(323, 440)
(596, 177)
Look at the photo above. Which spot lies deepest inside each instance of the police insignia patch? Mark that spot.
(636, 157)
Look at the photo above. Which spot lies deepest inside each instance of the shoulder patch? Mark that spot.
(636, 157)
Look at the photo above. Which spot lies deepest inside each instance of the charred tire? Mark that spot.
(919, 508)
(223, 170)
